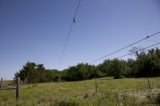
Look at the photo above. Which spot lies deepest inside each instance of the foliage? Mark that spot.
(32, 73)
(79, 72)
(145, 65)
(148, 64)
(116, 68)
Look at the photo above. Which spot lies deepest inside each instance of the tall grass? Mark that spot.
(110, 92)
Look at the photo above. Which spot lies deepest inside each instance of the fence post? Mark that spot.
(17, 88)
(1, 82)
(96, 85)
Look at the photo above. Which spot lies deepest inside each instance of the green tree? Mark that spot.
(117, 68)
(149, 63)
(40, 73)
(27, 73)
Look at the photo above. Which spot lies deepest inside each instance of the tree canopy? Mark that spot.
(145, 65)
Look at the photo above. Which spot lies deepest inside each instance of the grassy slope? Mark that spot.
(111, 92)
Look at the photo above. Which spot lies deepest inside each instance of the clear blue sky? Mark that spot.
(36, 30)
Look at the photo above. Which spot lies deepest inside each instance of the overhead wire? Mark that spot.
(147, 37)
(69, 32)
(141, 49)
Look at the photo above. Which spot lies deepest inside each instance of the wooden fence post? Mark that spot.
(17, 88)
(1, 82)
(96, 85)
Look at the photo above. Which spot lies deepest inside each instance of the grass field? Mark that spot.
(111, 92)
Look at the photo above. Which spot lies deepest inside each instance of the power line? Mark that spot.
(69, 32)
(125, 47)
(141, 49)
(66, 42)
(77, 8)
(125, 55)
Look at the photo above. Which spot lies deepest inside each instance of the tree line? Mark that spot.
(146, 64)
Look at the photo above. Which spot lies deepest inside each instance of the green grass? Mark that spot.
(111, 92)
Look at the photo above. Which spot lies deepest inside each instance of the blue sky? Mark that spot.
(36, 30)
